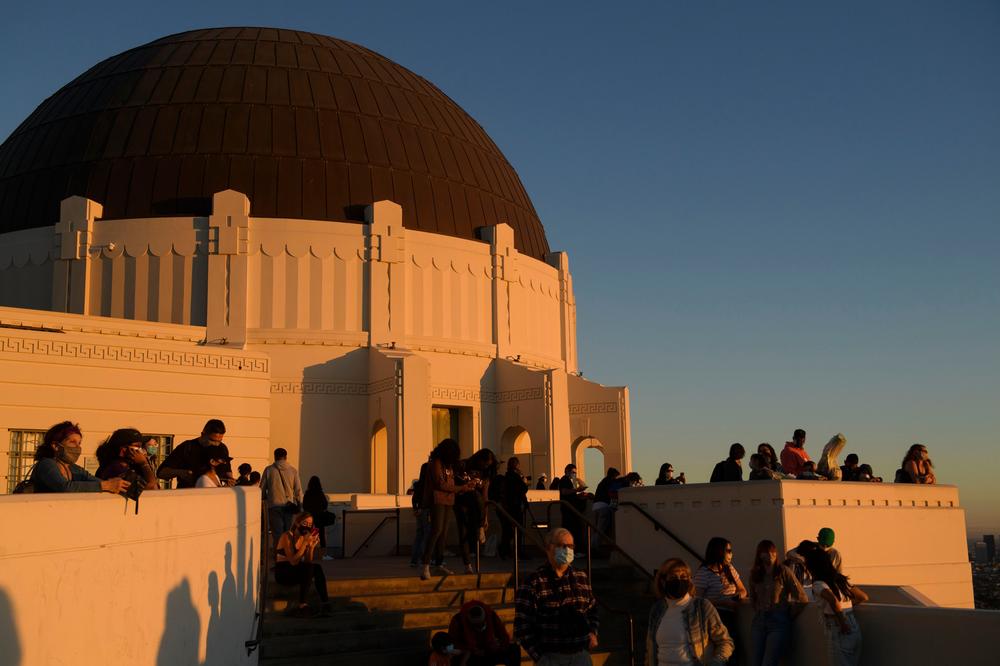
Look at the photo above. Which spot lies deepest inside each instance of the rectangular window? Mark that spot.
(21, 454)
(444, 424)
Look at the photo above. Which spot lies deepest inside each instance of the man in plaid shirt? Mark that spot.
(556, 613)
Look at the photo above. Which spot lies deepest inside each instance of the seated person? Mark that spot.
(478, 632)
(850, 470)
(122, 453)
(760, 471)
(865, 473)
(244, 478)
(296, 562)
(442, 650)
(56, 471)
(255, 478)
(809, 472)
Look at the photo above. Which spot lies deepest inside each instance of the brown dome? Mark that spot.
(306, 126)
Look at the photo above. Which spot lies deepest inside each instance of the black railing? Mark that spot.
(590, 526)
(519, 527)
(372, 534)
(660, 527)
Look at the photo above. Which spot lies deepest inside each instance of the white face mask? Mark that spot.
(564, 555)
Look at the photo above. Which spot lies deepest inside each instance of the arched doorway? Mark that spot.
(516, 442)
(589, 450)
(379, 459)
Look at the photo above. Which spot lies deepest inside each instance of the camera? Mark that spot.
(136, 485)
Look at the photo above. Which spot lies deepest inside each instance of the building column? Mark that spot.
(385, 269)
(71, 268)
(228, 244)
(504, 259)
(567, 309)
(556, 396)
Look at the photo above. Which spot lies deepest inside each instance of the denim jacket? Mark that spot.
(703, 627)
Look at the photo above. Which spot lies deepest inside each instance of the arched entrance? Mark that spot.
(379, 458)
(516, 442)
(589, 449)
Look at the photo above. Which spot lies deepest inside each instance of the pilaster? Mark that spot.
(567, 310)
(386, 272)
(71, 267)
(504, 260)
(228, 233)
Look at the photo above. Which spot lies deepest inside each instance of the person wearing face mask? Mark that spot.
(681, 626)
(209, 477)
(121, 453)
(718, 581)
(776, 596)
(295, 562)
(555, 618)
(56, 471)
(478, 633)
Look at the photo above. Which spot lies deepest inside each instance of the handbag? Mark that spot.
(25, 486)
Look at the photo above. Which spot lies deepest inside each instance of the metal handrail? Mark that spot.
(660, 527)
(605, 537)
(371, 535)
(262, 580)
(343, 529)
(538, 542)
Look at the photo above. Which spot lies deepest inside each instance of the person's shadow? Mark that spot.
(179, 643)
(10, 643)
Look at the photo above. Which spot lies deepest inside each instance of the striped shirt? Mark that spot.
(555, 614)
(714, 587)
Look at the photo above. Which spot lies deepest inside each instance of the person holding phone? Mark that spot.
(296, 562)
(121, 452)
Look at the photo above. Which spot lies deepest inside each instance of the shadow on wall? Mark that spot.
(232, 609)
(10, 643)
(333, 423)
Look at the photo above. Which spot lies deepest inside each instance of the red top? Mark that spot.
(792, 458)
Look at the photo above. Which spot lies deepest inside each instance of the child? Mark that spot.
(442, 650)
(809, 472)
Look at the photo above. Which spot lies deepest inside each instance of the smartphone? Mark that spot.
(315, 532)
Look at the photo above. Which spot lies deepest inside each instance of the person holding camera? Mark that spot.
(56, 471)
(282, 490)
(295, 561)
(122, 455)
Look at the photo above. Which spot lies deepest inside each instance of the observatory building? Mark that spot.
(299, 236)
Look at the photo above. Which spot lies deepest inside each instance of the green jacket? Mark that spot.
(703, 627)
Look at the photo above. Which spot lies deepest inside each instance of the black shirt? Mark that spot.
(727, 470)
(190, 455)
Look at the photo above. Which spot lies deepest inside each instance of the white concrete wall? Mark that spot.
(888, 534)
(83, 581)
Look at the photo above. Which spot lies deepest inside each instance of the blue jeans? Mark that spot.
(771, 631)
(844, 649)
(423, 528)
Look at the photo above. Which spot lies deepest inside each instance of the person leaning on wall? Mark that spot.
(56, 471)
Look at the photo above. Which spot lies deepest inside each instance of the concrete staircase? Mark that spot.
(381, 621)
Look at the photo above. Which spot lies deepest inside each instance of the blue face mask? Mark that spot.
(151, 450)
(564, 555)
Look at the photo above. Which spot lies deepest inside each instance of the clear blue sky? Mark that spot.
(778, 214)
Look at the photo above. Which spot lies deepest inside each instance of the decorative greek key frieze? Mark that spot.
(333, 388)
(386, 384)
(520, 394)
(593, 408)
(129, 354)
(475, 395)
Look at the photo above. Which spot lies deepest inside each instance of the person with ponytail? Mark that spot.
(56, 471)
(836, 598)
(682, 626)
(777, 596)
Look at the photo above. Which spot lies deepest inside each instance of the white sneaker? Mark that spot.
(328, 557)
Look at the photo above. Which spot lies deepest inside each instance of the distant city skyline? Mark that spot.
(776, 217)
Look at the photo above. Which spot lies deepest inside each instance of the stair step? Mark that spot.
(403, 601)
(350, 587)
(393, 657)
(363, 621)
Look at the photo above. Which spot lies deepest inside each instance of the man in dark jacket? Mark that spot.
(731, 468)
(187, 461)
(514, 501)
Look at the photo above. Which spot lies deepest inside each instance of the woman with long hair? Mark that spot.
(56, 471)
(295, 562)
(314, 502)
(123, 451)
(682, 626)
(916, 466)
(776, 595)
(439, 496)
(828, 467)
(718, 581)
(770, 457)
(478, 469)
(837, 599)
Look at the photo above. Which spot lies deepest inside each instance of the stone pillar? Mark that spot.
(386, 272)
(567, 309)
(504, 256)
(228, 245)
(556, 397)
(71, 268)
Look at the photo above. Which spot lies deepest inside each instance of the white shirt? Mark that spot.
(205, 481)
(672, 647)
(844, 605)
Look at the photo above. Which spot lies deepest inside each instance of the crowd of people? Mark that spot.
(795, 463)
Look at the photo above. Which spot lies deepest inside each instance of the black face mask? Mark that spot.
(305, 530)
(674, 588)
